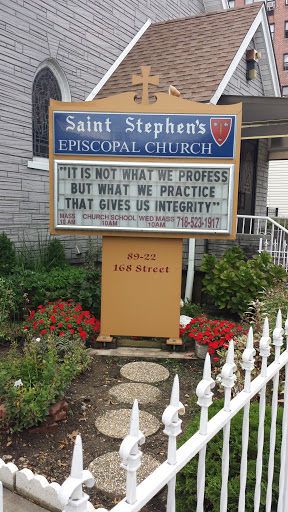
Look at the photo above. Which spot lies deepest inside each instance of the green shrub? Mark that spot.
(60, 283)
(233, 281)
(44, 378)
(55, 254)
(45, 254)
(268, 302)
(7, 255)
(192, 309)
(186, 488)
(87, 291)
(7, 301)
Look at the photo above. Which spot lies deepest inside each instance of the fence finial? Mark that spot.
(248, 360)
(171, 421)
(172, 430)
(70, 494)
(227, 375)
(278, 336)
(131, 455)
(204, 393)
(265, 347)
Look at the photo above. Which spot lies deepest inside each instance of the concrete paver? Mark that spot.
(151, 353)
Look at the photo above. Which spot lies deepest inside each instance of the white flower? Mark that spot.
(38, 339)
(18, 383)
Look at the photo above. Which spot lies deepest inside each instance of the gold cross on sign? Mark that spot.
(145, 79)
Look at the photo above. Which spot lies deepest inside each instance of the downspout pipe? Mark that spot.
(190, 270)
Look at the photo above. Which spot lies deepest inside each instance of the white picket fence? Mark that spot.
(73, 499)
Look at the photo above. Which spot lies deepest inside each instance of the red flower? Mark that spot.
(72, 331)
(61, 333)
(52, 327)
(43, 331)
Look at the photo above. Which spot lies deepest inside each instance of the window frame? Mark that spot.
(41, 162)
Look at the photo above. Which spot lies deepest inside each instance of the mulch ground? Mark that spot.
(50, 454)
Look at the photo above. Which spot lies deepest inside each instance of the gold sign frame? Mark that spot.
(164, 104)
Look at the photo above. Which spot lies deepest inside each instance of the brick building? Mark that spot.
(277, 12)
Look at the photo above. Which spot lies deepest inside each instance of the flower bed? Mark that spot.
(60, 318)
(212, 333)
(35, 376)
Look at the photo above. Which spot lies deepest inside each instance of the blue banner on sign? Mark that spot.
(129, 134)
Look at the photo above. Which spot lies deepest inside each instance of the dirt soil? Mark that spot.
(50, 454)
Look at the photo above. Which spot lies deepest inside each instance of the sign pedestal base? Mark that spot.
(141, 287)
(105, 339)
(173, 341)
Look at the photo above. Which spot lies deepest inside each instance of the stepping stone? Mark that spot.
(110, 478)
(116, 423)
(127, 393)
(144, 372)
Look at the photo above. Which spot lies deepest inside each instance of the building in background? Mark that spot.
(277, 12)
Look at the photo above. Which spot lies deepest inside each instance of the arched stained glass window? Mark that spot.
(45, 87)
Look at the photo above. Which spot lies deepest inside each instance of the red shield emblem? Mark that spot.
(220, 129)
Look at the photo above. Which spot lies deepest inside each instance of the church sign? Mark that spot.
(145, 176)
(166, 168)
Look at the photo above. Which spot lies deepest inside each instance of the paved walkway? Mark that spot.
(108, 474)
(15, 503)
